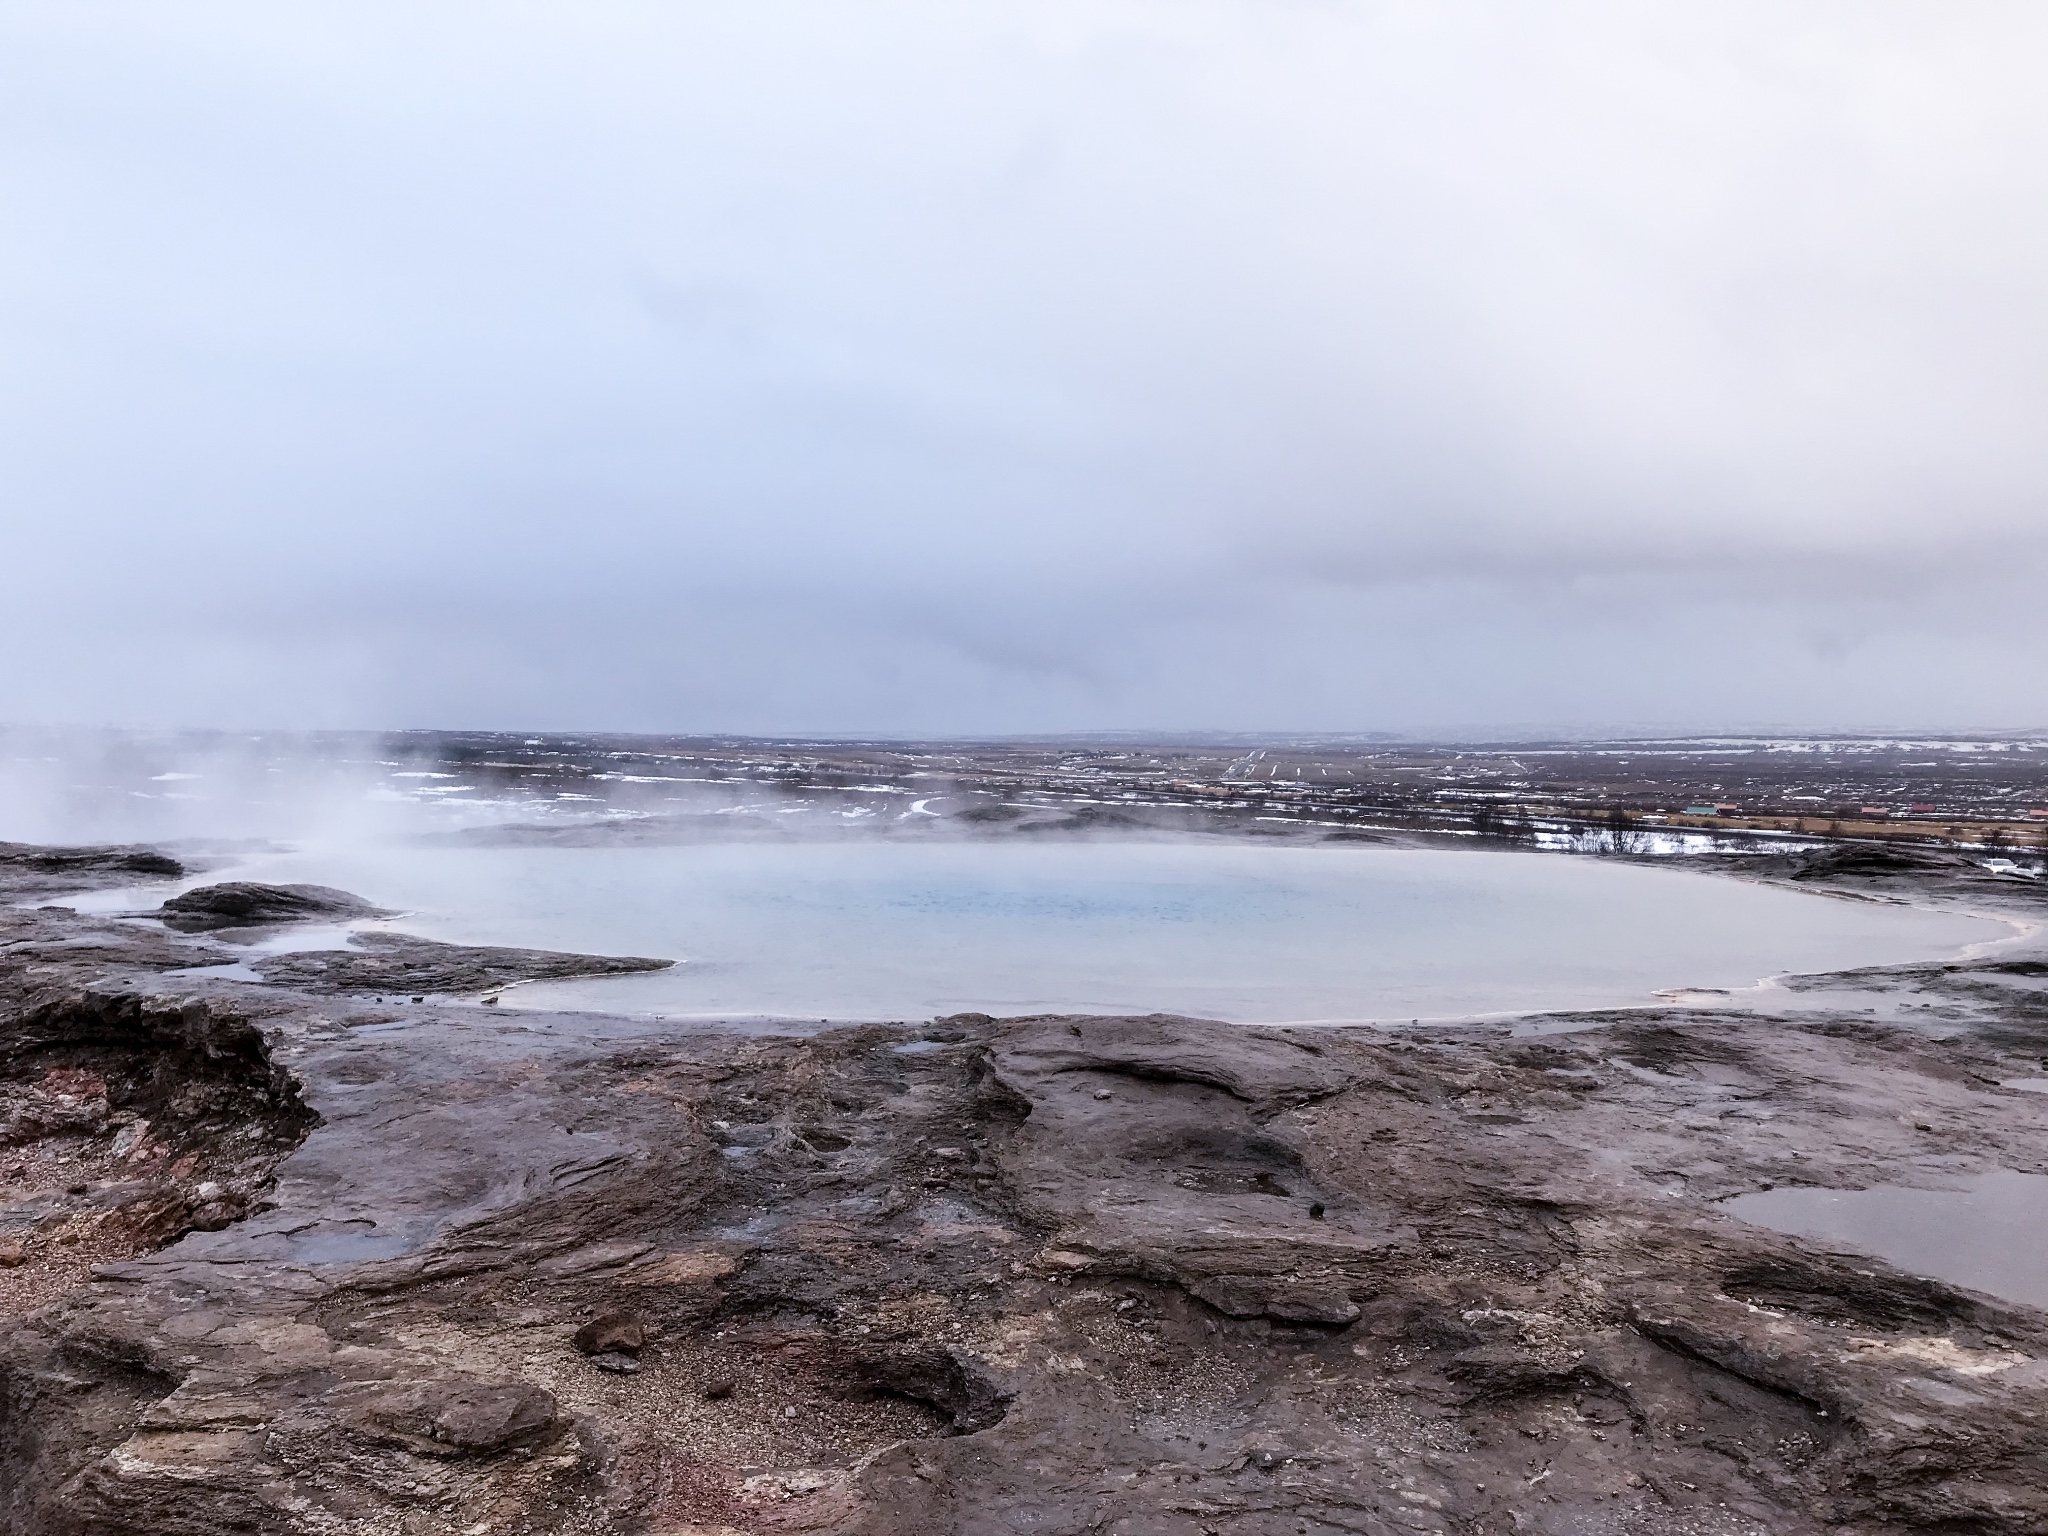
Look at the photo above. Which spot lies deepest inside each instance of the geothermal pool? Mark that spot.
(1245, 932)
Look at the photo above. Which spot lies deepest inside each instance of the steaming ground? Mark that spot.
(70, 786)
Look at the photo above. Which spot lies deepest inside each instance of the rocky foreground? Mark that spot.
(346, 1250)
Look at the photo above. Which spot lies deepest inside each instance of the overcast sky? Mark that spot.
(914, 368)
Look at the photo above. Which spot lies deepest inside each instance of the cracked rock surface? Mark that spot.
(441, 1268)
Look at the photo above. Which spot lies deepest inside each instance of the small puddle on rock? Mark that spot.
(1990, 1235)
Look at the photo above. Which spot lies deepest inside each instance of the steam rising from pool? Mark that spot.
(857, 901)
(880, 930)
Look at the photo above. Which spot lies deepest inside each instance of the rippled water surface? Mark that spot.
(1225, 930)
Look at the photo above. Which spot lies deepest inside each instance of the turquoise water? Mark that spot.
(1225, 930)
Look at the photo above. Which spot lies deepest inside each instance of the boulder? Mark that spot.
(615, 1333)
(247, 904)
(456, 1416)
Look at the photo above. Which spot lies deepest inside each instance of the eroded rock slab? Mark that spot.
(400, 963)
(28, 871)
(248, 904)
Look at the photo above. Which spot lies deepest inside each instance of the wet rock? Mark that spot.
(456, 1417)
(939, 1378)
(149, 1213)
(248, 904)
(217, 1214)
(1506, 1371)
(28, 871)
(594, 1258)
(1258, 1296)
(1262, 1066)
(1871, 861)
(400, 963)
(623, 1333)
(66, 1101)
(102, 1089)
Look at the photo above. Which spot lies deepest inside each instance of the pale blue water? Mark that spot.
(883, 930)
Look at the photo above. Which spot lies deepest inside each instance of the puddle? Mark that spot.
(234, 972)
(262, 942)
(347, 1242)
(1989, 1235)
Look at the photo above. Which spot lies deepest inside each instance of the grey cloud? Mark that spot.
(924, 368)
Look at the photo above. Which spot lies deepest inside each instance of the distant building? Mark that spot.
(1924, 810)
(1874, 810)
(1703, 810)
